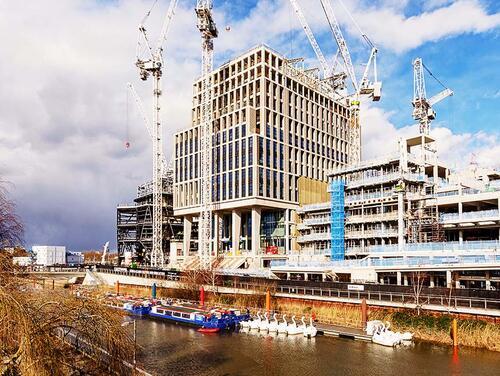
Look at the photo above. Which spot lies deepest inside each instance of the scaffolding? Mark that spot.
(424, 226)
(135, 223)
(337, 219)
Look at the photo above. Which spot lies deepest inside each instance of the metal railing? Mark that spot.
(372, 217)
(317, 221)
(441, 246)
(475, 215)
(314, 237)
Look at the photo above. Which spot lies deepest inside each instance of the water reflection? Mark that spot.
(169, 349)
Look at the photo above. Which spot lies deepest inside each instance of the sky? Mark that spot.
(65, 115)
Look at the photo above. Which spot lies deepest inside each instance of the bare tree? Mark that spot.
(45, 332)
(417, 280)
(11, 227)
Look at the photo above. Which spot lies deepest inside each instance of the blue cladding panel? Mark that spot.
(337, 219)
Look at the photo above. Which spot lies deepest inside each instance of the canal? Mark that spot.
(168, 349)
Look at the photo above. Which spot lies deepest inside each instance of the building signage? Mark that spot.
(356, 287)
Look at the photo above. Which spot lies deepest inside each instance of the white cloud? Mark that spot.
(62, 115)
(380, 135)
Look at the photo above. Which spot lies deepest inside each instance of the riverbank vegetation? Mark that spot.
(426, 327)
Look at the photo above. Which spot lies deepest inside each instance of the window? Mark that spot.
(268, 183)
(230, 190)
(250, 182)
(236, 184)
(243, 183)
(250, 151)
(230, 160)
(243, 130)
(268, 153)
(224, 190)
(236, 154)
(261, 181)
(260, 151)
(275, 183)
(243, 152)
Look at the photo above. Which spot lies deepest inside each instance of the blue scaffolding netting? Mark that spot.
(337, 220)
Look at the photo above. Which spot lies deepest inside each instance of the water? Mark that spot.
(169, 349)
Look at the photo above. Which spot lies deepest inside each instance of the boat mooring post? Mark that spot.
(454, 333)
(153, 290)
(268, 301)
(117, 287)
(202, 296)
(364, 313)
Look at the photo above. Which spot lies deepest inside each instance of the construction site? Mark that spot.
(269, 181)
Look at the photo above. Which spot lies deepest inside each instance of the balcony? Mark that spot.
(368, 196)
(317, 221)
(476, 216)
(392, 216)
(438, 247)
(371, 234)
(314, 237)
(382, 178)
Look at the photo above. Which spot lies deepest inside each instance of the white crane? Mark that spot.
(422, 107)
(208, 31)
(363, 87)
(105, 249)
(147, 123)
(152, 64)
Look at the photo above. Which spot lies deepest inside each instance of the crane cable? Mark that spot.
(430, 73)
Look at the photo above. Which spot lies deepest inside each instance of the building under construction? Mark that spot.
(277, 131)
(134, 224)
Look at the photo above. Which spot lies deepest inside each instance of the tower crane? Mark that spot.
(208, 31)
(363, 87)
(337, 80)
(422, 107)
(152, 65)
(147, 123)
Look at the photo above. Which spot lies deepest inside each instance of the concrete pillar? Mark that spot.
(236, 231)
(461, 236)
(306, 277)
(488, 281)
(401, 222)
(398, 278)
(431, 281)
(216, 235)
(287, 231)
(448, 279)
(255, 230)
(188, 224)
(381, 280)
(405, 280)
(173, 253)
(460, 209)
(288, 276)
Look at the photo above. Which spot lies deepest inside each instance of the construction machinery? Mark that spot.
(422, 107)
(208, 31)
(363, 87)
(150, 63)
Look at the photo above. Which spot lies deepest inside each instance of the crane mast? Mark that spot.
(152, 65)
(208, 31)
(312, 40)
